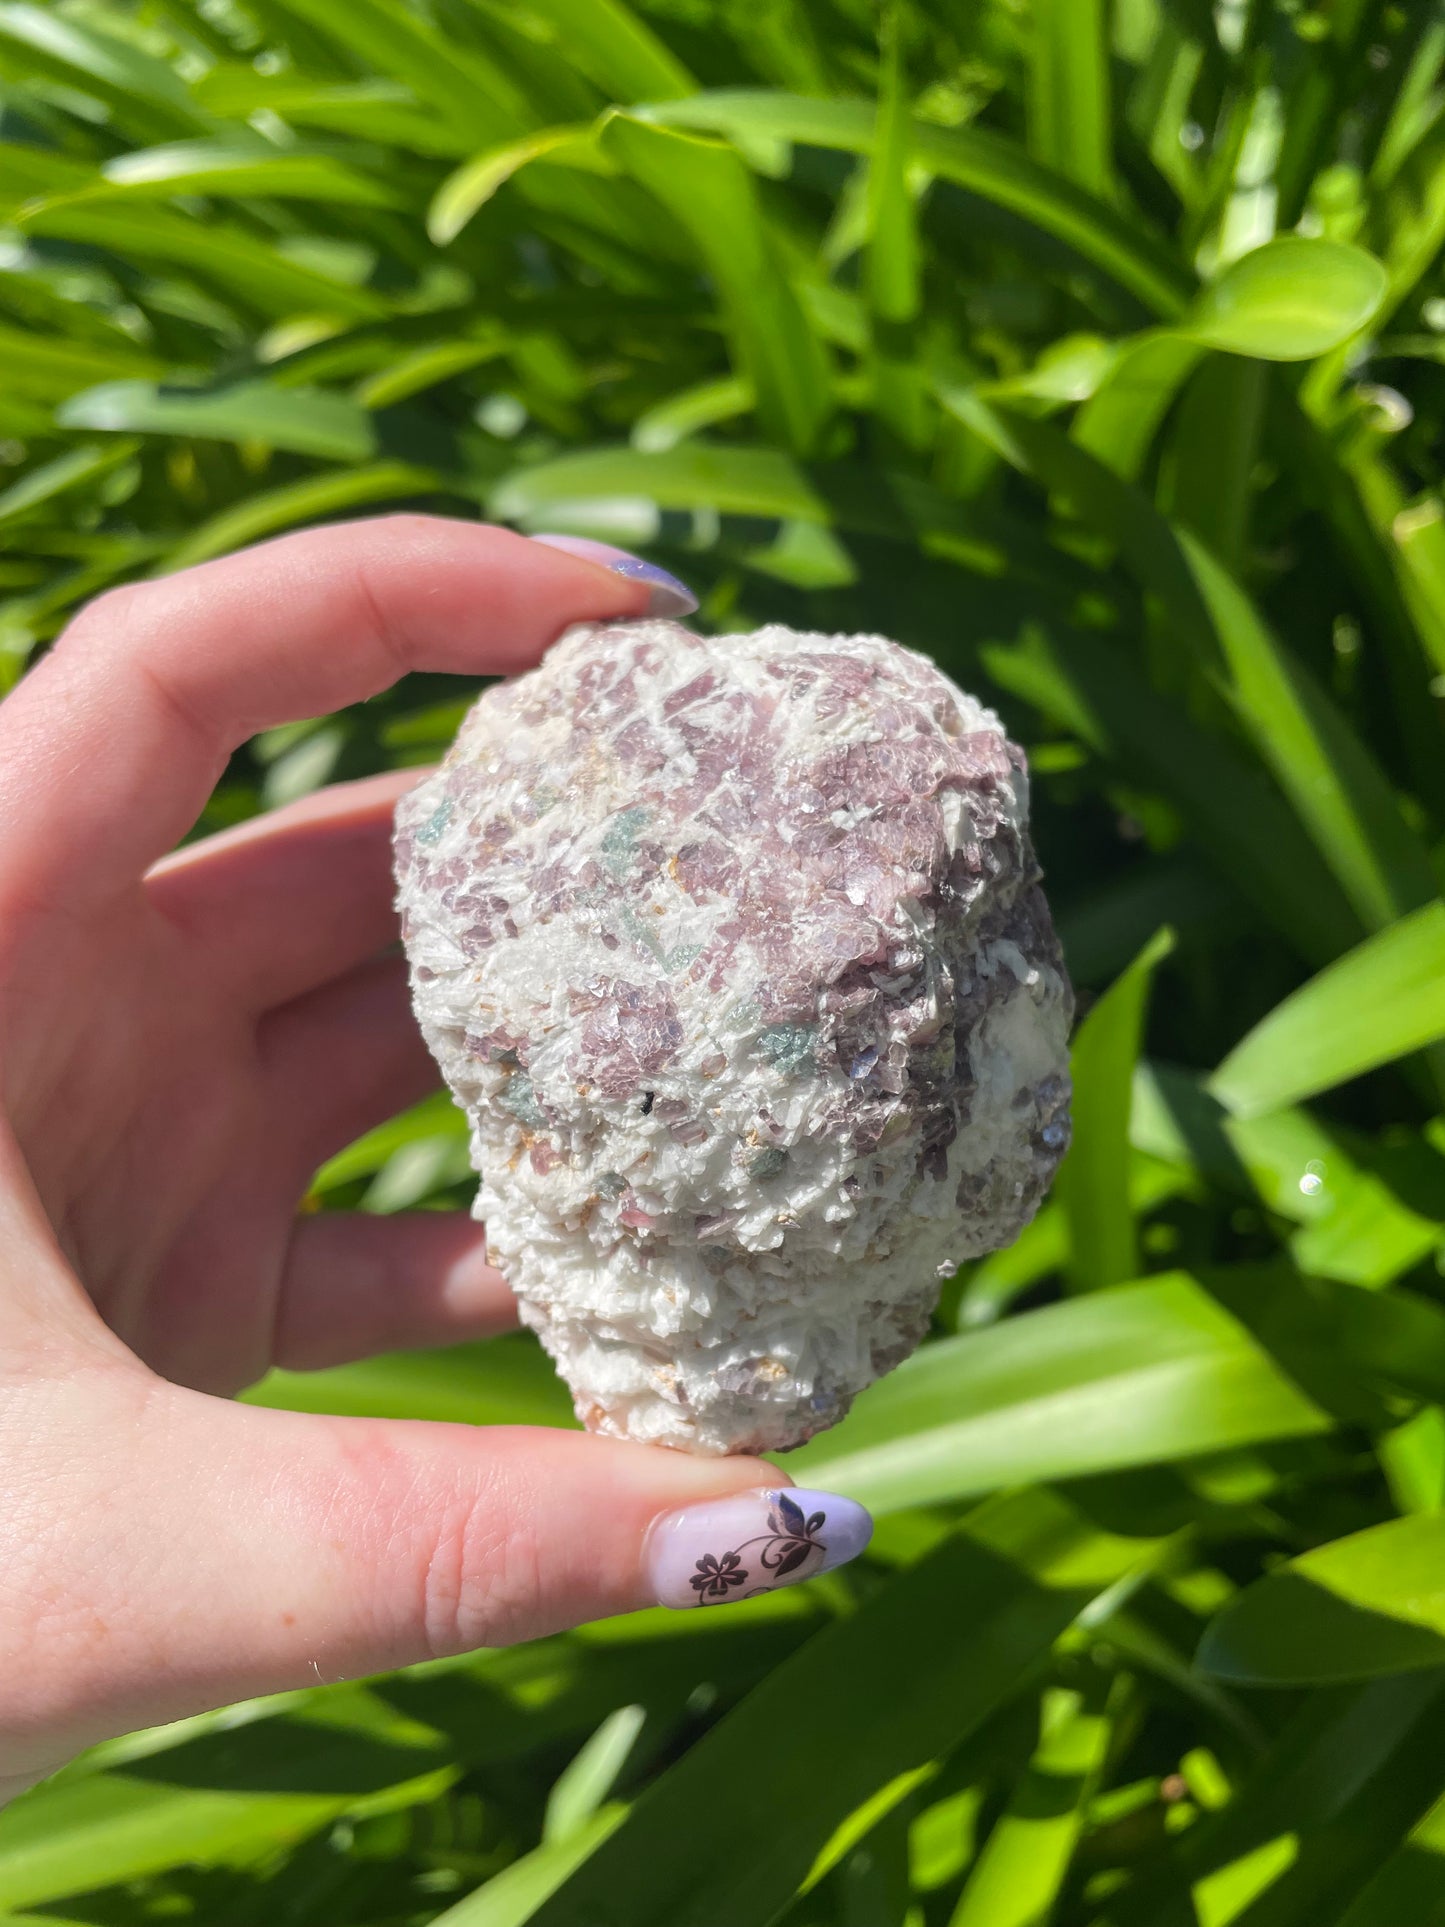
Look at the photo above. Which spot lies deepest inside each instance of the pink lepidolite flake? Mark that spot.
(734, 952)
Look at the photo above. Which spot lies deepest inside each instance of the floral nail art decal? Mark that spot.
(792, 1536)
(751, 1543)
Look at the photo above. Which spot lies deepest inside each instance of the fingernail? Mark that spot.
(669, 596)
(751, 1543)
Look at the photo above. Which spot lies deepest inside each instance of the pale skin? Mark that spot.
(183, 1039)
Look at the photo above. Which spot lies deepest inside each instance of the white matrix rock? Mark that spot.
(735, 954)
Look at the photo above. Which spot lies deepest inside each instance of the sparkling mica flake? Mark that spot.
(734, 952)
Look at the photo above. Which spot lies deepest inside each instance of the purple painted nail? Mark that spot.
(753, 1542)
(669, 596)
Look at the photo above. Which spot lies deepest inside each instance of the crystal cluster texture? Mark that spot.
(734, 952)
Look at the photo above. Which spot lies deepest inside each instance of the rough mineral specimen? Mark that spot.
(734, 952)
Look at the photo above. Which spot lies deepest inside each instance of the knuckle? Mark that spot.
(106, 618)
(484, 1578)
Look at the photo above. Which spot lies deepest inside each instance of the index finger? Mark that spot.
(111, 745)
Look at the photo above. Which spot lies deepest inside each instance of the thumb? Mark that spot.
(236, 1551)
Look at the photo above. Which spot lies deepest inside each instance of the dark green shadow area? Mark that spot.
(1288, 1631)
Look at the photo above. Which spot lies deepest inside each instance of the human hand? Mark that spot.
(183, 1039)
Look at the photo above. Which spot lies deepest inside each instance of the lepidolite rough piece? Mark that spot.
(734, 952)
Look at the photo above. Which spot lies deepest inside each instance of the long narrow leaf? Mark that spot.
(709, 191)
(706, 1843)
(1094, 1181)
(1382, 1000)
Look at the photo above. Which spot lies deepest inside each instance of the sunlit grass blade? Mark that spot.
(1337, 789)
(516, 1894)
(424, 368)
(1120, 420)
(709, 191)
(1368, 1604)
(501, 1381)
(1016, 1879)
(613, 44)
(691, 410)
(463, 193)
(1353, 1225)
(308, 421)
(144, 93)
(703, 1843)
(239, 1797)
(462, 84)
(983, 163)
(41, 486)
(1349, 1773)
(892, 261)
(1068, 101)
(1093, 1183)
(1140, 1375)
(1237, 818)
(1382, 1000)
(760, 482)
(292, 503)
(261, 278)
(228, 169)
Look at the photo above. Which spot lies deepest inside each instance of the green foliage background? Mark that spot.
(965, 322)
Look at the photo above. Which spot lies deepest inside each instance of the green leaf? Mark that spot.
(1238, 821)
(424, 368)
(1140, 1375)
(1381, 1001)
(1417, 533)
(1338, 791)
(672, 421)
(260, 278)
(308, 421)
(232, 1796)
(1290, 300)
(144, 92)
(710, 193)
(703, 1844)
(612, 44)
(1410, 1884)
(1355, 1224)
(49, 370)
(469, 91)
(72, 470)
(752, 482)
(216, 168)
(1148, 543)
(588, 1779)
(435, 1116)
(1119, 421)
(1212, 454)
(370, 110)
(892, 263)
(1348, 1775)
(1068, 101)
(983, 163)
(515, 1895)
(297, 502)
(1361, 1606)
(1016, 1879)
(500, 1381)
(1093, 1183)
(465, 192)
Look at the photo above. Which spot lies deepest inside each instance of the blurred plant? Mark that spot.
(1097, 351)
